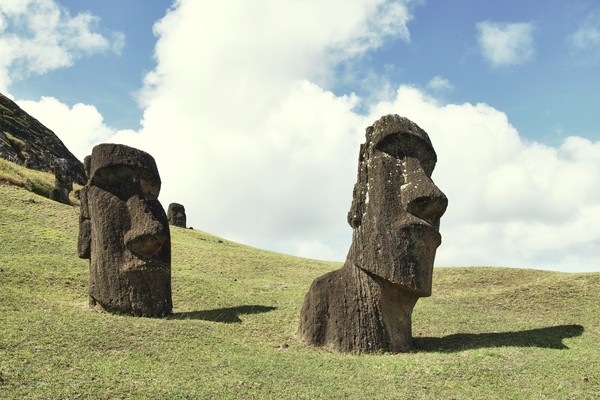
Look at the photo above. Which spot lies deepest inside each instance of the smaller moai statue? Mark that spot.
(176, 215)
(63, 184)
(124, 232)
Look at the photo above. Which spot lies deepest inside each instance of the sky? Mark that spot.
(254, 111)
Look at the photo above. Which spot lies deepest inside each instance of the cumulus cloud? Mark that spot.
(37, 36)
(585, 41)
(271, 40)
(243, 123)
(250, 139)
(80, 126)
(512, 202)
(506, 44)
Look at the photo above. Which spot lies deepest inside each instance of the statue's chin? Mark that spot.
(405, 259)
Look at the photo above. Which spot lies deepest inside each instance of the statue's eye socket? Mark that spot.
(124, 182)
(402, 145)
(150, 188)
(108, 179)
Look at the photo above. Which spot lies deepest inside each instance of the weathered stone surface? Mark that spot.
(25, 141)
(176, 215)
(367, 305)
(124, 232)
(63, 185)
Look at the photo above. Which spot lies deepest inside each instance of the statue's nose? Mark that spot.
(148, 231)
(421, 197)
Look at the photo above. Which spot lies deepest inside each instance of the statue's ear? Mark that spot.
(359, 194)
(86, 165)
(84, 241)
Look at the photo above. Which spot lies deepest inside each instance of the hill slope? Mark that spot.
(485, 333)
(24, 140)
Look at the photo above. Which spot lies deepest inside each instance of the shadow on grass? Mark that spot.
(229, 315)
(549, 338)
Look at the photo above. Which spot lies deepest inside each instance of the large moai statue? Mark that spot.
(63, 184)
(124, 232)
(366, 305)
(176, 215)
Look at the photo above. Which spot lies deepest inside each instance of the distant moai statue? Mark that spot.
(366, 305)
(63, 184)
(176, 215)
(124, 231)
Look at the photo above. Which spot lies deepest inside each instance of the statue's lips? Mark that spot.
(422, 229)
(145, 246)
(152, 266)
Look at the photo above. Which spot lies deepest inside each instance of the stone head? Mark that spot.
(176, 215)
(396, 207)
(124, 232)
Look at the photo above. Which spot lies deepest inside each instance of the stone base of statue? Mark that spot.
(350, 310)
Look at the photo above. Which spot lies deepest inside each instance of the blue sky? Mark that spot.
(106, 80)
(547, 98)
(255, 112)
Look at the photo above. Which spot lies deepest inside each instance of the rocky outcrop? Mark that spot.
(366, 306)
(124, 232)
(25, 141)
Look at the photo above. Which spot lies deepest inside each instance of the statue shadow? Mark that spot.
(548, 338)
(228, 315)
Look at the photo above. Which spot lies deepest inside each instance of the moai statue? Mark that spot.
(63, 185)
(176, 215)
(366, 305)
(123, 231)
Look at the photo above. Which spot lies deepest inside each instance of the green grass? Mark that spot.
(485, 332)
(34, 181)
(17, 143)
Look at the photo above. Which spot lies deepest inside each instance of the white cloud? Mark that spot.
(585, 41)
(241, 120)
(506, 44)
(80, 127)
(272, 40)
(512, 202)
(439, 84)
(37, 36)
(247, 137)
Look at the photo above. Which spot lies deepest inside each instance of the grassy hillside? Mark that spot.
(485, 333)
(35, 181)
